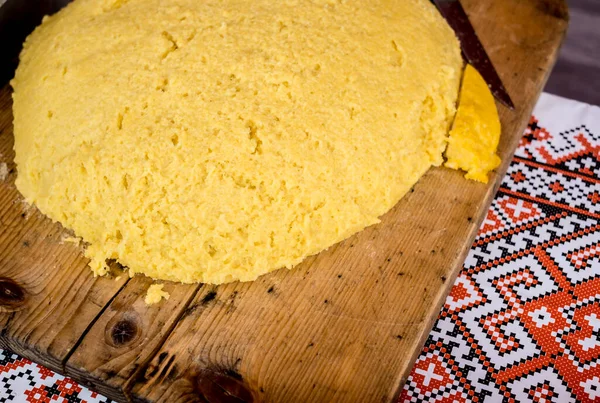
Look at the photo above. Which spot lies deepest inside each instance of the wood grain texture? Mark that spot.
(345, 325)
(126, 336)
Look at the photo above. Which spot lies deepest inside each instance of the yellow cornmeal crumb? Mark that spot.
(476, 130)
(155, 294)
(213, 141)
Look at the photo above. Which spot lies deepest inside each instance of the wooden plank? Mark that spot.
(313, 333)
(48, 296)
(128, 333)
(347, 324)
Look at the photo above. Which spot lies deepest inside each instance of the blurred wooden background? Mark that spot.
(577, 72)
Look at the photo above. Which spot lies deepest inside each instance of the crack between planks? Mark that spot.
(89, 327)
(5, 342)
(7, 325)
(128, 385)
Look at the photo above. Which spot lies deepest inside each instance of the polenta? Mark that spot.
(476, 129)
(155, 294)
(213, 141)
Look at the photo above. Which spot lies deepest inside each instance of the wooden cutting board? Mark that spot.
(345, 325)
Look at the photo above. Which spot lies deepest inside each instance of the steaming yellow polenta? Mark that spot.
(213, 141)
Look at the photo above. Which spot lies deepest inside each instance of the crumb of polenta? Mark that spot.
(155, 294)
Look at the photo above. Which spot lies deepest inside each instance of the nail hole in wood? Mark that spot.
(208, 297)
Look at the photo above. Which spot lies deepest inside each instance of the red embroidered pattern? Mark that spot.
(522, 323)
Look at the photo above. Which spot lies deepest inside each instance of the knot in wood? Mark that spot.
(123, 332)
(219, 386)
(12, 295)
